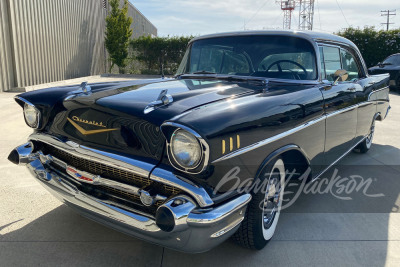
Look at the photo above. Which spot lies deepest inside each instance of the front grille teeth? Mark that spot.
(111, 173)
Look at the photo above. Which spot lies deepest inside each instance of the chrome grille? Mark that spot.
(112, 173)
(100, 169)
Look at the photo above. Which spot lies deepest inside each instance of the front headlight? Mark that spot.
(186, 149)
(32, 116)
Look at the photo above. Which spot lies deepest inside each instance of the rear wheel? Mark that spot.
(263, 212)
(366, 144)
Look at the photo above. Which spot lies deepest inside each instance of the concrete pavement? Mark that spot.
(36, 229)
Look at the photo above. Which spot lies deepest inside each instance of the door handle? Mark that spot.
(351, 89)
(371, 83)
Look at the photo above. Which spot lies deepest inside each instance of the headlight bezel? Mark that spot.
(36, 122)
(169, 129)
(25, 103)
(190, 135)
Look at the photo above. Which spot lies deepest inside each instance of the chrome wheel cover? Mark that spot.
(368, 140)
(272, 202)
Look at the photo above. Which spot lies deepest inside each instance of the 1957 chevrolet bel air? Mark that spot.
(149, 158)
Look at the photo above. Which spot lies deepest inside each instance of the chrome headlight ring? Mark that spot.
(202, 163)
(32, 115)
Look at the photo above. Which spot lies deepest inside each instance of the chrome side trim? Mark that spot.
(365, 103)
(334, 113)
(168, 178)
(338, 159)
(269, 140)
(205, 147)
(375, 92)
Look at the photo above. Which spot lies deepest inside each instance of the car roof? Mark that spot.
(309, 35)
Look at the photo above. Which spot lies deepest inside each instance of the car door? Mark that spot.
(366, 109)
(340, 106)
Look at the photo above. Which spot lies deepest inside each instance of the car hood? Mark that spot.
(186, 94)
(113, 117)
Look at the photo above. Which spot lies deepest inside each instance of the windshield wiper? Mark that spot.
(204, 72)
(186, 74)
(226, 77)
(243, 78)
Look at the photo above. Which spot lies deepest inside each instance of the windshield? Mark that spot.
(280, 57)
(392, 60)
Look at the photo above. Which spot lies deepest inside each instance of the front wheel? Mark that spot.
(263, 211)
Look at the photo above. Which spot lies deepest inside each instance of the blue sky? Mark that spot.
(185, 17)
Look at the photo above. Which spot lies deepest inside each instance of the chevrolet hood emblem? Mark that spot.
(88, 132)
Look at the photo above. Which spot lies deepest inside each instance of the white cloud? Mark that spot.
(180, 17)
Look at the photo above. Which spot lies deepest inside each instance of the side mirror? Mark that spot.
(340, 76)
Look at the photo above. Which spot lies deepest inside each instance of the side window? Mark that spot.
(349, 64)
(332, 61)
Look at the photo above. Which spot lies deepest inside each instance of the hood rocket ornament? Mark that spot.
(163, 99)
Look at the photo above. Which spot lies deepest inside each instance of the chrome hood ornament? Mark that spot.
(163, 99)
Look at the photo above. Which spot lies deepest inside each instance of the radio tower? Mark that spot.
(306, 17)
(288, 7)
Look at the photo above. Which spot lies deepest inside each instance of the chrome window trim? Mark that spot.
(128, 164)
(355, 52)
(269, 140)
(203, 143)
(39, 119)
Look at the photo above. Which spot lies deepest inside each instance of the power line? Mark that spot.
(255, 14)
(280, 14)
(387, 14)
(342, 13)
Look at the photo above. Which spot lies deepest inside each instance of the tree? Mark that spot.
(118, 33)
(375, 45)
(155, 52)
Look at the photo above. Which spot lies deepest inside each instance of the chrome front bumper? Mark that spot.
(198, 230)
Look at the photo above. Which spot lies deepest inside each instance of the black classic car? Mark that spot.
(169, 160)
(390, 65)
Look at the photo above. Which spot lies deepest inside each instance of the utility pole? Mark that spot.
(387, 14)
(287, 7)
(306, 15)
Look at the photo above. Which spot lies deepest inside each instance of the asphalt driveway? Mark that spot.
(319, 229)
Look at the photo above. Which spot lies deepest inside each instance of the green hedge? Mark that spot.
(374, 45)
(148, 53)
